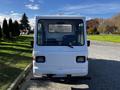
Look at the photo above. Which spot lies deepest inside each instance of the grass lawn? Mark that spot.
(108, 38)
(14, 57)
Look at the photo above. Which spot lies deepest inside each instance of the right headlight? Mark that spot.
(80, 59)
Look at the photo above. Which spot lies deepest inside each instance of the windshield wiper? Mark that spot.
(70, 45)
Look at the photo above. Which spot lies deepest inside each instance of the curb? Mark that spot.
(20, 78)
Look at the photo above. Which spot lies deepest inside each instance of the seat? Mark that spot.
(69, 39)
(52, 42)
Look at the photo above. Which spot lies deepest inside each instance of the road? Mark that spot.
(104, 69)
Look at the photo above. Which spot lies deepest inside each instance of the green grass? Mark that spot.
(14, 57)
(107, 38)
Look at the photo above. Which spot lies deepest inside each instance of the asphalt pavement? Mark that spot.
(104, 70)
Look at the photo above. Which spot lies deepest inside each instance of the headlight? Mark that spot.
(40, 59)
(80, 59)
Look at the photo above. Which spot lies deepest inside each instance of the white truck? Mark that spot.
(60, 46)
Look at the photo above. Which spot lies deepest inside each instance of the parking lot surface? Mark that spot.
(104, 70)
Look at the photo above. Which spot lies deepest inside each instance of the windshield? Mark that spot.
(60, 32)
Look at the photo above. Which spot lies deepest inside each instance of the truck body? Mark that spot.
(60, 46)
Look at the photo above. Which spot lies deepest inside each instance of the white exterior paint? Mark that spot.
(60, 59)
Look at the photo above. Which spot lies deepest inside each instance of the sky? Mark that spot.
(88, 8)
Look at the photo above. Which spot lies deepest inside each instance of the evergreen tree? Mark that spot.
(10, 27)
(24, 22)
(0, 32)
(16, 28)
(5, 29)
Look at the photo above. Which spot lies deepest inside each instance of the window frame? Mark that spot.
(63, 32)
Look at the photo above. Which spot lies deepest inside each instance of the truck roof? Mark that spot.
(59, 17)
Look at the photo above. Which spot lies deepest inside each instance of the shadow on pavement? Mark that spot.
(105, 75)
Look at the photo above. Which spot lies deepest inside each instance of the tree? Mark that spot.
(24, 22)
(95, 31)
(93, 23)
(16, 28)
(90, 31)
(5, 29)
(92, 26)
(10, 27)
(0, 32)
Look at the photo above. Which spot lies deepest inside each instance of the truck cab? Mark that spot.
(60, 46)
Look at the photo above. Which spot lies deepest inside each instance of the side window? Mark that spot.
(81, 33)
(81, 26)
(39, 34)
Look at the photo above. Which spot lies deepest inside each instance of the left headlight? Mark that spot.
(80, 59)
(40, 59)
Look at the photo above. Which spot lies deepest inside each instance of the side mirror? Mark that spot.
(88, 43)
(32, 43)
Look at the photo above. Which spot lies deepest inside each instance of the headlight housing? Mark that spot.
(40, 59)
(80, 59)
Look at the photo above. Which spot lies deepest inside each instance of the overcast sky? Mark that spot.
(87, 8)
